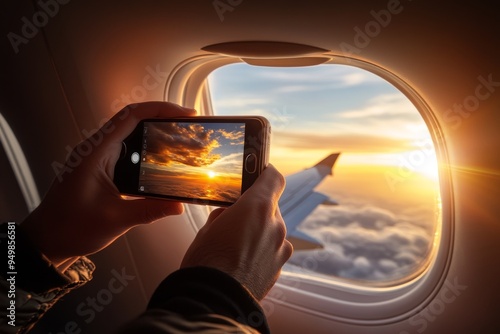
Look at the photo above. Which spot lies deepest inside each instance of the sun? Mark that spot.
(211, 174)
(429, 168)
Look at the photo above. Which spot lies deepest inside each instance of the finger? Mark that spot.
(281, 222)
(278, 216)
(125, 121)
(286, 250)
(269, 183)
(145, 211)
(214, 214)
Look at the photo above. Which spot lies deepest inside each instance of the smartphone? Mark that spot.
(209, 160)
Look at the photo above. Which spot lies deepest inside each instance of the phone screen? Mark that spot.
(192, 160)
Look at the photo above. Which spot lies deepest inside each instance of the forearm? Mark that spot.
(30, 283)
(200, 300)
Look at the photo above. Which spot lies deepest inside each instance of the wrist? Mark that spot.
(32, 230)
(34, 272)
(63, 265)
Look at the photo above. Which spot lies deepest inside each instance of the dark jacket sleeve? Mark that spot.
(29, 283)
(200, 300)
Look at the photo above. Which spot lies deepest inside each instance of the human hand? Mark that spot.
(83, 212)
(246, 240)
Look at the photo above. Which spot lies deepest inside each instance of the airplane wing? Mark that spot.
(299, 200)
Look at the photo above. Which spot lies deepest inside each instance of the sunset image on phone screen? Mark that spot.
(192, 160)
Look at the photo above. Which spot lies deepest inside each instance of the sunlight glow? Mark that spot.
(430, 169)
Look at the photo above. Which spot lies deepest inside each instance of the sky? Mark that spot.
(385, 179)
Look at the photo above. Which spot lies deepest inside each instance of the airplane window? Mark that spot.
(373, 221)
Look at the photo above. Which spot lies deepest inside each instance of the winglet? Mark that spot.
(328, 162)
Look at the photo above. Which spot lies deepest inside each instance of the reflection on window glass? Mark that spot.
(385, 180)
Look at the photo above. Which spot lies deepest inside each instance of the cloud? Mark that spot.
(236, 137)
(240, 102)
(345, 142)
(332, 76)
(364, 243)
(386, 105)
(380, 120)
(188, 144)
(385, 123)
(294, 89)
(352, 79)
(231, 163)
